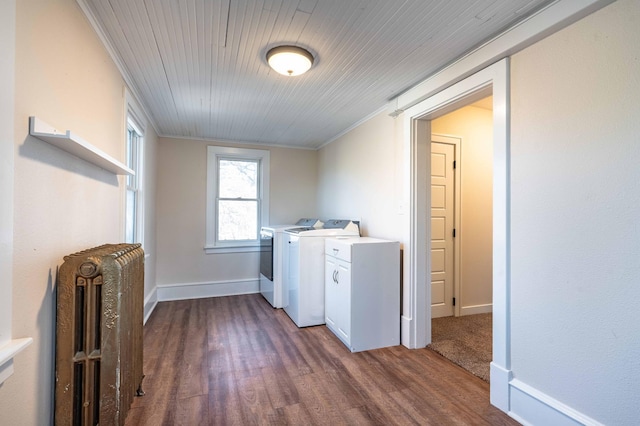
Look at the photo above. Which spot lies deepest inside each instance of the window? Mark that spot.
(237, 198)
(133, 229)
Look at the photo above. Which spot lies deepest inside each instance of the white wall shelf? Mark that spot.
(77, 146)
(7, 352)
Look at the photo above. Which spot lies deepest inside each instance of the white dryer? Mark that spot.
(303, 269)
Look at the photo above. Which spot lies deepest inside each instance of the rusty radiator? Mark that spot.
(99, 335)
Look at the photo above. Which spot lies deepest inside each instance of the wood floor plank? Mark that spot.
(225, 404)
(255, 401)
(424, 411)
(320, 405)
(192, 411)
(366, 416)
(287, 353)
(280, 387)
(296, 414)
(237, 361)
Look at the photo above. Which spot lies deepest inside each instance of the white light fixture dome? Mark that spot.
(289, 60)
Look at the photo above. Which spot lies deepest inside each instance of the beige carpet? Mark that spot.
(464, 340)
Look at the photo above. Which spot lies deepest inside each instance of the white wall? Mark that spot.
(182, 169)
(475, 128)
(7, 76)
(64, 76)
(575, 155)
(360, 177)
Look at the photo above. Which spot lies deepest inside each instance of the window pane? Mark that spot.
(130, 217)
(237, 220)
(238, 179)
(130, 155)
(133, 150)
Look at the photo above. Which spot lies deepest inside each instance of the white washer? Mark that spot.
(272, 241)
(303, 268)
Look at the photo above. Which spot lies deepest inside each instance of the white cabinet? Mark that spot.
(362, 291)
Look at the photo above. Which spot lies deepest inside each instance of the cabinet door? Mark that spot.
(343, 294)
(331, 299)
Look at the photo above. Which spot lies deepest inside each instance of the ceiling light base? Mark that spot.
(289, 60)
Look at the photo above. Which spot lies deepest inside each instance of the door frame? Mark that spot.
(456, 141)
(416, 318)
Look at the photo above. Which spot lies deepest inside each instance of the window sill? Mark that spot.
(7, 352)
(231, 249)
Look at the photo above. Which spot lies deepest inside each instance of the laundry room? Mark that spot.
(172, 127)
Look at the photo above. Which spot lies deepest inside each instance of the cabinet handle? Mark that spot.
(335, 251)
(337, 277)
(335, 280)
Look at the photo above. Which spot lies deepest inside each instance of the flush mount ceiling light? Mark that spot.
(289, 60)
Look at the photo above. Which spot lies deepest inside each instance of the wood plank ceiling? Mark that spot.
(200, 70)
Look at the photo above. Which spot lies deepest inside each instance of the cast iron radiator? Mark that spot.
(99, 335)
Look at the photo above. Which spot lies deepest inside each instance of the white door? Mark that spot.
(442, 229)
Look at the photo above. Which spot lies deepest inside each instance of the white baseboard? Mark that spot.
(500, 378)
(529, 406)
(476, 309)
(150, 303)
(405, 332)
(182, 291)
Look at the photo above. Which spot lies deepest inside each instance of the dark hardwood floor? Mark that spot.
(237, 361)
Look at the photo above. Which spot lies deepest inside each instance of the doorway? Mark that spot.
(461, 244)
(461, 201)
(416, 324)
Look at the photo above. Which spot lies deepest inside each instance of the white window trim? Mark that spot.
(135, 118)
(213, 152)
